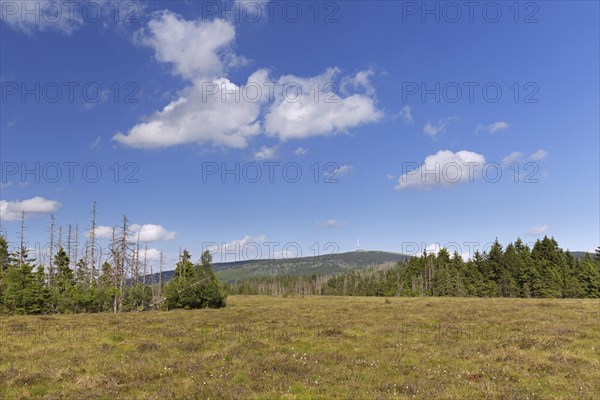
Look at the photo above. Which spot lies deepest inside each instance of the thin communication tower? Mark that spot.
(358, 246)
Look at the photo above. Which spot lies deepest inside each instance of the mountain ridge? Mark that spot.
(328, 264)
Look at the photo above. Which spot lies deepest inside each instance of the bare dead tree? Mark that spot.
(160, 275)
(152, 282)
(76, 244)
(115, 260)
(22, 240)
(123, 260)
(124, 246)
(60, 237)
(145, 262)
(69, 244)
(92, 270)
(137, 260)
(86, 263)
(51, 251)
(152, 275)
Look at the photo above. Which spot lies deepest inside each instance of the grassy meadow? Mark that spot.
(311, 348)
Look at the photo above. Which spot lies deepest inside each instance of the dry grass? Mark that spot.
(311, 348)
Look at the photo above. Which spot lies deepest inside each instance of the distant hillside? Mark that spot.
(321, 265)
(581, 254)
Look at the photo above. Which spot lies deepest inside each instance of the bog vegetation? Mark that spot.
(311, 347)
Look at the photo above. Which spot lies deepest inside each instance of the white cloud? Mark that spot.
(444, 168)
(152, 254)
(342, 170)
(360, 81)
(41, 15)
(147, 232)
(434, 248)
(214, 110)
(11, 210)
(538, 230)
(265, 153)
(202, 114)
(301, 111)
(434, 128)
(64, 16)
(406, 114)
(494, 127)
(5, 184)
(539, 155)
(287, 253)
(103, 232)
(247, 248)
(152, 233)
(95, 143)
(331, 223)
(195, 48)
(241, 243)
(222, 113)
(511, 158)
(345, 170)
(300, 151)
(251, 6)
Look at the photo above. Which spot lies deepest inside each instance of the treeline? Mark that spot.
(120, 283)
(544, 271)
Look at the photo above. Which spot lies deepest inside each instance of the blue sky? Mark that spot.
(161, 121)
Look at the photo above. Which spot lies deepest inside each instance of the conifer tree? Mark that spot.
(64, 283)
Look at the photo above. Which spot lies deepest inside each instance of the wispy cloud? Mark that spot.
(342, 170)
(539, 155)
(434, 128)
(406, 114)
(493, 128)
(266, 153)
(331, 223)
(95, 143)
(511, 158)
(538, 230)
(300, 151)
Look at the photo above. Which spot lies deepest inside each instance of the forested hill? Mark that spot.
(544, 271)
(580, 254)
(319, 265)
(306, 266)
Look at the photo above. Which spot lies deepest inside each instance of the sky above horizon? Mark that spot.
(281, 128)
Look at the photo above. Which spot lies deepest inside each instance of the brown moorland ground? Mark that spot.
(311, 348)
